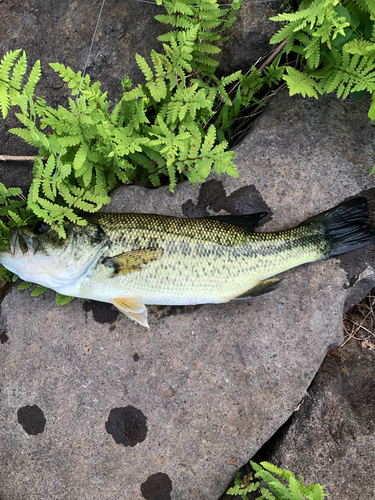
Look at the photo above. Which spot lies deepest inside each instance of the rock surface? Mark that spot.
(331, 438)
(172, 412)
(62, 32)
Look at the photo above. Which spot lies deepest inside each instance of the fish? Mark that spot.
(133, 260)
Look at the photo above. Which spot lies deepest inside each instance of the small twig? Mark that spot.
(17, 158)
(273, 55)
(364, 328)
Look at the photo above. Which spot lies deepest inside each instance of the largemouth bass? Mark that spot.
(131, 260)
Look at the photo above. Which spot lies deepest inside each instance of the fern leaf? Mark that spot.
(301, 83)
(295, 488)
(6, 64)
(209, 140)
(18, 72)
(47, 178)
(34, 190)
(33, 79)
(312, 52)
(172, 177)
(74, 80)
(24, 285)
(38, 290)
(80, 156)
(144, 67)
(361, 47)
(266, 495)
(208, 48)
(158, 89)
(61, 300)
(4, 101)
(176, 22)
(314, 492)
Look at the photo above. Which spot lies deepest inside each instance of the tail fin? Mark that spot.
(344, 227)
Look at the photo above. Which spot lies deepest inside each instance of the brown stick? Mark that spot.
(16, 158)
(273, 55)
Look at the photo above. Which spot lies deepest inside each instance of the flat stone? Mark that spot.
(331, 438)
(201, 391)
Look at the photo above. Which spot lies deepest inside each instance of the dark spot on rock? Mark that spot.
(157, 487)
(102, 311)
(112, 327)
(136, 357)
(246, 200)
(32, 419)
(3, 338)
(127, 425)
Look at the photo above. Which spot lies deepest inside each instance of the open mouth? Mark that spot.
(20, 244)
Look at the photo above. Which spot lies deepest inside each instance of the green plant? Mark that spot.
(287, 488)
(162, 128)
(336, 44)
(177, 123)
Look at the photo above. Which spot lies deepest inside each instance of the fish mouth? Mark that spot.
(20, 243)
(13, 240)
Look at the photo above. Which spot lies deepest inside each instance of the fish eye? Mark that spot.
(40, 227)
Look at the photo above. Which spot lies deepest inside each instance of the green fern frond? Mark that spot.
(75, 80)
(144, 67)
(24, 285)
(33, 79)
(61, 300)
(6, 64)
(302, 83)
(6, 90)
(80, 156)
(348, 73)
(18, 73)
(361, 47)
(38, 290)
(4, 100)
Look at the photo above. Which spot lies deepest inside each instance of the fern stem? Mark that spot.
(274, 54)
(17, 158)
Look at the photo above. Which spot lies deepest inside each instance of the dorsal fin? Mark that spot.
(248, 222)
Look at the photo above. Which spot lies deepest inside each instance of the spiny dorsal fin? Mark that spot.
(133, 307)
(134, 260)
(248, 222)
(261, 288)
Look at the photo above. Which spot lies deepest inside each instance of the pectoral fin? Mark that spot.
(134, 308)
(134, 260)
(261, 288)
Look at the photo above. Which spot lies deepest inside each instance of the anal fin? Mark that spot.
(134, 308)
(261, 288)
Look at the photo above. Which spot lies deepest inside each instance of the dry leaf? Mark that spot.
(366, 344)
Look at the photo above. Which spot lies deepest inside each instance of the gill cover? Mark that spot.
(37, 254)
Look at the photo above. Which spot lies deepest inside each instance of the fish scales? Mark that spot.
(203, 260)
(132, 260)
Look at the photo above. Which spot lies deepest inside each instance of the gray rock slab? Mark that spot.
(211, 383)
(62, 32)
(331, 438)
